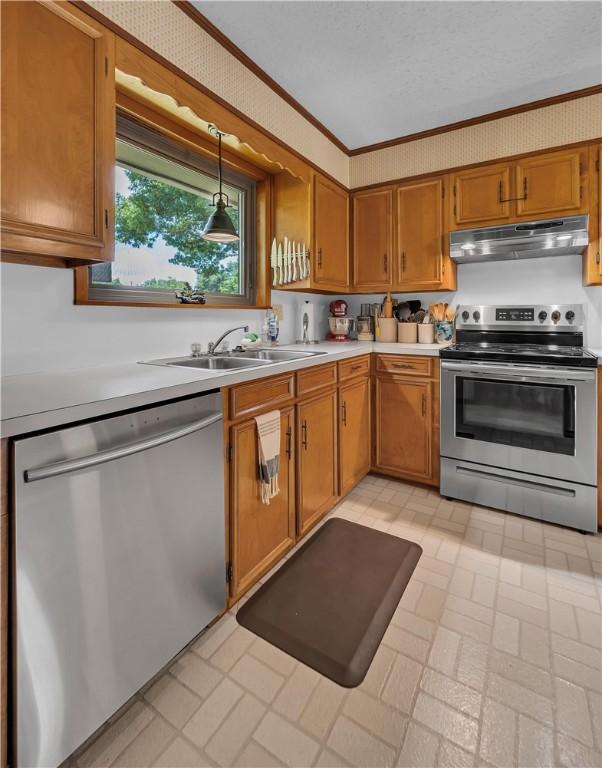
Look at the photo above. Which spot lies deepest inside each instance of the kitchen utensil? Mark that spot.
(414, 305)
(280, 262)
(340, 328)
(307, 322)
(274, 262)
(294, 260)
(388, 306)
(407, 333)
(403, 312)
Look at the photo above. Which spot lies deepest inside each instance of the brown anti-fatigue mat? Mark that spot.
(330, 604)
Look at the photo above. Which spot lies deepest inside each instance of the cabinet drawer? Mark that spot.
(312, 379)
(356, 366)
(405, 364)
(246, 399)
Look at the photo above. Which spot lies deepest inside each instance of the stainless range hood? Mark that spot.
(523, 240)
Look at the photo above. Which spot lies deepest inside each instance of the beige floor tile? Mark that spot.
(572, 712)
(196, 674)
(444, 651)
(322, 708)
(595, 708)
(211, 640)
(458, 728)
(577, 673)
(296, 691)
(405, 642)
(275, 658)
(401, 686)
(255, 756)
(181, 754)
(520, 698)
(412, 623)
(232, 649)
(420, 747)
(457, 695)
(589, 627)
(328, 759)
(382, 721)
(522, 612)
(212, 713)
(535, 744)
(147, 746)
(358, 746)
(470, 608)
(506, 633)
(229, 738)
(174, 701)
(430, 604)
(451, 756)
(521, 672)
(477, 630)
(257, 678)
(484, 591)
(285, 741)
(580, 652)
(498, 734)
(105, 749)
(534, 645)
(573, 754)
(472, 664)
(462, 583)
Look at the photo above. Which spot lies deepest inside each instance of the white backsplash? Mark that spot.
(42, 330)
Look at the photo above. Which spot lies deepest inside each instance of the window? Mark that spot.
(163, 198)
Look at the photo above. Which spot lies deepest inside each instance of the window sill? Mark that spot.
(157, 305)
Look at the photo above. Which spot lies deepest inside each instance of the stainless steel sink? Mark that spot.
(215, 363)
(275, 355)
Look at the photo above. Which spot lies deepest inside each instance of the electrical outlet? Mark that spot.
(278, 310)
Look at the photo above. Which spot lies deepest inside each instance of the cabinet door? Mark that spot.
(317, 459)
(58, 133)
(373, 240)
(354, 433)
(420, 234)
(403, 426)
(331, 235)
(260, 533)
(481, 196)
(550, 184)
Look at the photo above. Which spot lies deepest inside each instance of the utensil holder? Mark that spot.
(426, 333)
(443, 331)
(407, 333)
(388, 330)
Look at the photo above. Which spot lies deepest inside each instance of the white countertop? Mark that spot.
(37, 401)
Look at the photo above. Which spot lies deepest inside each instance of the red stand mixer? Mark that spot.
(340, 324)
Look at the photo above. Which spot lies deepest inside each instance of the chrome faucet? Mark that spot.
(213, 345)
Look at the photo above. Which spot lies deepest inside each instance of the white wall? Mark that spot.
(43, 330)
(556, 280)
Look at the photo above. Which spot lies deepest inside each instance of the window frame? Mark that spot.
(139, 134)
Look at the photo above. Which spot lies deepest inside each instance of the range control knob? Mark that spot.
(570, 315)
(555, 315)
(465, 315)
(476, 315)
(542, 315)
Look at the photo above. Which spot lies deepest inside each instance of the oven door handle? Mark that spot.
(519, 373)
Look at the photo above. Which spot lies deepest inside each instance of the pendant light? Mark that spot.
(219, 227)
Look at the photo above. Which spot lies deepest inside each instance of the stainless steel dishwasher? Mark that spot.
(119, 543)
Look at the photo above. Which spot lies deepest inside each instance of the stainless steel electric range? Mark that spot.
(518, 413)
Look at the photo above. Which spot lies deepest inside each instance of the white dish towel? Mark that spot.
(268, 444)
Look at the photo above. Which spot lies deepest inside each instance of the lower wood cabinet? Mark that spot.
(406, 415)
(260, 534)
(316, 458)
(354, 433)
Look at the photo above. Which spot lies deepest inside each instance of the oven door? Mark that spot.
(535, 419)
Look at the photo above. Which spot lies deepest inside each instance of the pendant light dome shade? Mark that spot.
(219, 227)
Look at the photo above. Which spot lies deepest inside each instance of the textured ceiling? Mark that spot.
(372, 71)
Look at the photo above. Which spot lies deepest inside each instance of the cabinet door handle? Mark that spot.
(344, 409)
(289, 448)
(501, 198)
(598, 257)
(304, 435)
(401, 365)
(386, 263)
(357, 367)
(319, 258)
(423, 405)
(403, 261)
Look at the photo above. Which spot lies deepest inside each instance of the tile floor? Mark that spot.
(493, 658)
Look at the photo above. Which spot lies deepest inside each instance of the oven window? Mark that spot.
(525, 415)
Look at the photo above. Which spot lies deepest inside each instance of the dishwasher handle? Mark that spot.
(72, 465)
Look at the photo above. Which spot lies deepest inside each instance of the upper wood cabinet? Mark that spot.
(354, 432)
(535, 187)
(592, 261)
(58, 135)
(373, 240)
(316, 458)
(317, 214)
(481, 195)
(260, 534)
(331, 234)
(421, 240)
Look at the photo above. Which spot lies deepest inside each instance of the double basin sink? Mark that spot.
(233, 361)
